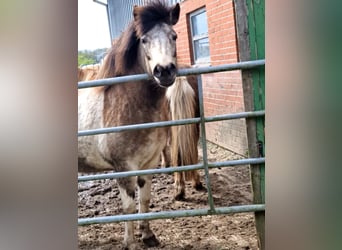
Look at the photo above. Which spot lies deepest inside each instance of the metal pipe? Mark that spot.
(171, 214)
(170, 169)
(136, 127)
(181, 72)
(111, 81)
(223, 67)
(240, 115)
(204, 144)
(170, 123)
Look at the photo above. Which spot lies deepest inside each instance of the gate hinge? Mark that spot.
(260, 149)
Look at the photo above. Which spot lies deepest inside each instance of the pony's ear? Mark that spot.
(174, 15)
(136, 10)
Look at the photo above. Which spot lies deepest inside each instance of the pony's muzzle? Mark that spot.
(166, 75)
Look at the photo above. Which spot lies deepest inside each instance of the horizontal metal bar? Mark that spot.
(170, 169)
(111, 81)
(170, 123)
(223, 67)
(136, 127)
(232, 163)
(240, 115)
(181, 72)
(117, 175)
(171, 214)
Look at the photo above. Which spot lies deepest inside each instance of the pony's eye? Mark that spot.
(144, 40)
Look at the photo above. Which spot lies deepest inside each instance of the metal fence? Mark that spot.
(212, 210)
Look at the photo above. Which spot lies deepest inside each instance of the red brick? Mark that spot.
(222, 92)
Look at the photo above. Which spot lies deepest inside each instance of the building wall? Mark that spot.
(120, 14)
(222, 91)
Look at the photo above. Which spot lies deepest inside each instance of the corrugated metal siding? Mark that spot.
(120, 14)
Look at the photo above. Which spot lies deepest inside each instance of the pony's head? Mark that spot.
(157, 40)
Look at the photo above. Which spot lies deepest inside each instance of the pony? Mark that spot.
(183, 97)
(186, 137)
(88, 72)
(148, 45)
(183, 103)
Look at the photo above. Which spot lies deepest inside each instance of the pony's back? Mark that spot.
(88, 72)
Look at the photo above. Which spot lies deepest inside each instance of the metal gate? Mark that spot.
(205, 165)
(251, 53)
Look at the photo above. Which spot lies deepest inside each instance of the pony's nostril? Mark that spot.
(171, 67)
(167, 71)
(157, 72)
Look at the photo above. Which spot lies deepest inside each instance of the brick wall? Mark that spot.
(222, 92)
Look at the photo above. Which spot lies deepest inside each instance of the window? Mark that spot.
(174, 1)
(199, 36)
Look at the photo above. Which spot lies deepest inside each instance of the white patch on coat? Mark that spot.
(94, 148)
(91, 148)
(160, 47)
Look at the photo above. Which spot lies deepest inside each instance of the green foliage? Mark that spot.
(86, 57)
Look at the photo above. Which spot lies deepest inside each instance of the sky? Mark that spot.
(93, 29)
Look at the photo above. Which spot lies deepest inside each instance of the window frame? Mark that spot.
(202, 60)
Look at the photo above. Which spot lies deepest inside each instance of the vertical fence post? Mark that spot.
(250, 30)
(204, 143)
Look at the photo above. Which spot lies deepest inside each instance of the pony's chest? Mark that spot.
(143, 154)
(136, 148)
(134, 104)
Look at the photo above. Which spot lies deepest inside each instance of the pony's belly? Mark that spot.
(85, 165)
(90, 159)
(147, 155)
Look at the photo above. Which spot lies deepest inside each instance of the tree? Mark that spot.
(85, 58)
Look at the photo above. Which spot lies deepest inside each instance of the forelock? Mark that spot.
(150, 15)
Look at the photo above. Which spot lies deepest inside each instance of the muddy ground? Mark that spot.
(230, 186)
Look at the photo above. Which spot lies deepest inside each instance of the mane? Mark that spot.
(148, 16)
(122, 56)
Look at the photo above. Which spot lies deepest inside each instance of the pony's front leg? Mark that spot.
(127, 194)
(144, 184)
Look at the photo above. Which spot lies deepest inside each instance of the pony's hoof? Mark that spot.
(151, 241)
(200, 187)
(180, 196)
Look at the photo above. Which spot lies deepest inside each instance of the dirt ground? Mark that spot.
(230, 186)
